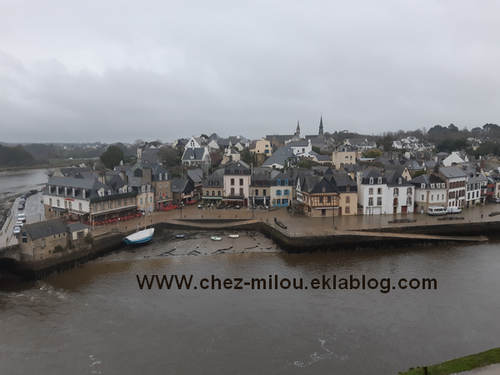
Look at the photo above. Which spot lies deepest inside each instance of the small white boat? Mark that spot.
(215, 238)
(234, 235)
(179, 235)
(142, 236)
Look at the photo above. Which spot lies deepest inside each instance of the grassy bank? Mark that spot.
(470, 362)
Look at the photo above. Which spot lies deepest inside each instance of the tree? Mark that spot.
(216, 159)
(372, 154)
(385, 143)
(204, 136)
(168, 155)
(316, 149)
(112, 157)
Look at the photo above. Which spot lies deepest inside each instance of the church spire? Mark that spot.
(297, 132)
(321, 125)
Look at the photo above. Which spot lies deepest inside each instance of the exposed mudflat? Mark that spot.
(197, 243)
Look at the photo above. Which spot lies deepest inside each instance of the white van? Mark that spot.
(454, 210)
(436, 210)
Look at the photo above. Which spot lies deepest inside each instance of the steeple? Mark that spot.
(297, 132)
(321, 125)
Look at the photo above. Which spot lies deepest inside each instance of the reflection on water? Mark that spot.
(95, 319)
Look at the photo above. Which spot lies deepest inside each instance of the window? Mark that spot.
(278, 192)
(286, 192)
(232, 182)
(379, 201)
(286, 182)
(433, 186)
(400, 181)
(409, 191)
(264, 192)
(422, 186)
(232, 191)
(396, 191)
(432, 198)
(379, 191)
(109, 205)
(206, 193)
(320, 199)
(278, 182)
(102, 206)
(379, 180)
(323, 189)
(370, 191)
(348, 210)
(371, 180)
(328, 199)
(232, 171)
(241, 182)
(370, 201)
(141, 200)
(241, 171)
(95, 207)
(241, 192)
(213, 193)
(348, 188)
(348, 199)
(218, 193)
(422, 197)
(408, 201)
(50, 201)
(150, 199)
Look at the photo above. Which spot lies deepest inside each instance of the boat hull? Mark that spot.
(140, 237)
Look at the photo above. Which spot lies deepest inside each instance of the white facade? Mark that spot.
(431, 196)
(237, 185)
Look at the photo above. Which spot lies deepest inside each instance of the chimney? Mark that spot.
(124, 176)
(147, 174)
(102, 177)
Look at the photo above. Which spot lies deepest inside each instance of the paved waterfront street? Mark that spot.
(301, 225)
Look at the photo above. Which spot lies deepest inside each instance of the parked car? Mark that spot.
(436, 210)
(496, 200)
(17, 229)
(19, 223)
(20, 206)
(21, 217)
(454, 210)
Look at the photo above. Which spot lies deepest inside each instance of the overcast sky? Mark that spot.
(97, 70)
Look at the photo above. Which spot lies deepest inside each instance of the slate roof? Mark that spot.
(75, 227)
(45, 228)
(279, 156)
(298, 144)
(452, 172)
(180, 185)
(196, 175)
(216, 179)
(197, 154)
(427, 179)
(90, 185)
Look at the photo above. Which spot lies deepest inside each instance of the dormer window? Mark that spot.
(433, 186)
(159, 177)
(379, 180)
(278, 183)
(422, 186)
(109, 192)
(400, 181)
(143, 189)
(371, 180)
(286, 182)
(232, 171)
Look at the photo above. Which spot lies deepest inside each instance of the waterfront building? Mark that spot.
(213, 186)
(89, 199)
(260, 188)
(430, 190)
(317, 196)
(384, 192)
(237, 177)
(456, 180)
(476, 188)
(347, 189)
(281, 189)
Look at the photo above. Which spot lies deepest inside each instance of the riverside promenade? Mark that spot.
(300, 225)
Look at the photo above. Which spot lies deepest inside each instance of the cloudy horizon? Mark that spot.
(117, 71)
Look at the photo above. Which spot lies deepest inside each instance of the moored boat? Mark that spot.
(216, 238)
(179, 235)
(234, 235)
(142, 236)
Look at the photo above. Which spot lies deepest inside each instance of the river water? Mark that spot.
(20, 179)
(96, 320)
